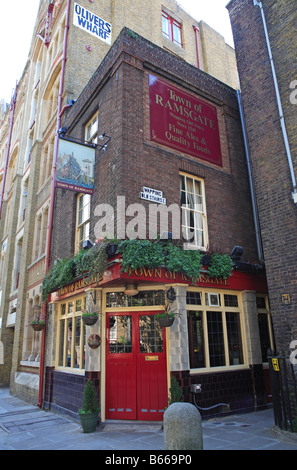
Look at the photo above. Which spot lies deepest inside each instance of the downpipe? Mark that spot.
(279, 104)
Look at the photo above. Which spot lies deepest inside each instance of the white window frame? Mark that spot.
(197, 211)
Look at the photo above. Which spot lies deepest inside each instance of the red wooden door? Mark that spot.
(136, 371)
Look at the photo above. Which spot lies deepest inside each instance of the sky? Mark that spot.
(17, 20)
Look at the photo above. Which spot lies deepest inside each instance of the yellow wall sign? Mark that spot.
(275, 364)
(151, 358)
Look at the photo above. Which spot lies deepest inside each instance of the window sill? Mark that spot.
(68, 370)
(173, 48)
(211, 370)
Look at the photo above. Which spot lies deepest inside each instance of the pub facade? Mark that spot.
(170, 177)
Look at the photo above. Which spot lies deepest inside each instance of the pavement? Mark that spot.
(26, 427)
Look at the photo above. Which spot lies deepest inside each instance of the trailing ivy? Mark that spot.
(135, 254)
(141, 253)
(220, 266)
(62, 273)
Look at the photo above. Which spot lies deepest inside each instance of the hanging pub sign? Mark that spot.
(183, 122)
(75, 167)
(92, 24)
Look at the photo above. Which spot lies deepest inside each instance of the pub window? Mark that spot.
(265, 326)
(194, 221)
(82, 220)
(142, 299)
(71, 335)
(214, 330)
(171, 29)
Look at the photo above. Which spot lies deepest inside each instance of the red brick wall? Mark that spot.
(119, 89)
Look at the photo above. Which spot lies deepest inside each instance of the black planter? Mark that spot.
(111, 249)
(205, 260)
(89, 321)
(166, 322)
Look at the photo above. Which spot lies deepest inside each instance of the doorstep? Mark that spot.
(110, 425)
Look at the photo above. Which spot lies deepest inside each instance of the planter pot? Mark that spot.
(206, 260)
(166, 322)
(37, 326)
(111, 249)
(91, 320)
(88, 421)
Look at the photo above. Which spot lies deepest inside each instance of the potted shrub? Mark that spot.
(88, 413)
(37, 325)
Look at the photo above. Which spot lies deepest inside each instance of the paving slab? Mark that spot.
(26, 427)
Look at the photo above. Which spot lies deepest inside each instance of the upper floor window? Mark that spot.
(194, 222)
(83, 220)
(91, 129)
(171, 29)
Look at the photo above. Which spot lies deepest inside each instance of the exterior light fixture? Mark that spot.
(131, 289)
(237, 253)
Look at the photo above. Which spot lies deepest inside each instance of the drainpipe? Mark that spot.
(196, 29)
(252, 189)
(52, 201)
(12, 111)
(279, 104)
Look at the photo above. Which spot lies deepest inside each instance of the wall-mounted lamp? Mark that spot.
(237, 253)
(87, 244)
(131, 289)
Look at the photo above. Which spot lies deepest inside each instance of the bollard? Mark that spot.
(182, 427)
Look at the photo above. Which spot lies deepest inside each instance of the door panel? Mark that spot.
(120, 368)
(136, 369)
(151, 370)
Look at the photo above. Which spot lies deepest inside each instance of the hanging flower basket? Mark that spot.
(165, 320)
(89, 319)
(37, 325)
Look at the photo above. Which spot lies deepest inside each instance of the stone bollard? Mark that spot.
(182, 427)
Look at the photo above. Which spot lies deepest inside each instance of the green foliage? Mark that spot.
(141, 253)
(220, 266)
(90, 399)
(60, 275)
(175, 392)
(187, 262)
(135, 254)
(92, 261)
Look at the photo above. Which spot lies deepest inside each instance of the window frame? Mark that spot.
(201, 213)
(84, 223)
(92, 136)
(224, 310)
(265, 311)
(172, 25)
(65, 317)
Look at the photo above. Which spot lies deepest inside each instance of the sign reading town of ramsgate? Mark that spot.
(92, 24)
(184, 122)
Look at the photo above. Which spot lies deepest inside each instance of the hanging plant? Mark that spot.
(37, 325)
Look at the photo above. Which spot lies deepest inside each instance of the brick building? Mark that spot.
(65, 51)
(174, 129)
(265, 44)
